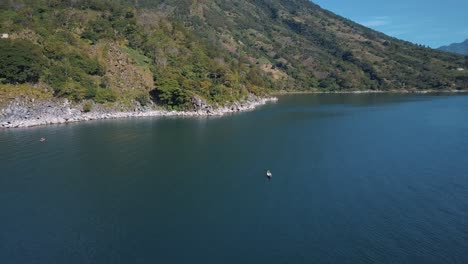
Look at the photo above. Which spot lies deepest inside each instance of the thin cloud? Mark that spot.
(378, 21)
(396, 33)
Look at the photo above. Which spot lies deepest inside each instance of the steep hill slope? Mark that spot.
(458, 48)
(169, 51)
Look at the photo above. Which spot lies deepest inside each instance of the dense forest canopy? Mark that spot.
(169, 51)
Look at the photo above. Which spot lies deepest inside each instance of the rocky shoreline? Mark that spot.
(21, 113)
(28, 113)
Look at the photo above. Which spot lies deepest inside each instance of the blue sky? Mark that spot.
(431, 23)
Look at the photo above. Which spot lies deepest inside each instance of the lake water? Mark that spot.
(356, 179)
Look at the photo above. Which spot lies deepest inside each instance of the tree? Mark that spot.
(168, 92)
(255, 78)
(20, 61)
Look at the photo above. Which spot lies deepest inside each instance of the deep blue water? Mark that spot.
(356, 179)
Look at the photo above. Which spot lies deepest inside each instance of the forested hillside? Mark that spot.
(168, 51)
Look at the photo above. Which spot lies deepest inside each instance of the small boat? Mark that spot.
(42, 140)
(269, 174)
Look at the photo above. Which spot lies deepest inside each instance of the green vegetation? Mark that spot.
(21, 61)
(9, 92)
(169, 51)
(87, 107)
(139, 58)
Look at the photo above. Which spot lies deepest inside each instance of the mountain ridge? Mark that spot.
(458, 48)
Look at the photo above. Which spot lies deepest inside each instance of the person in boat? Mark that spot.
(269, 174)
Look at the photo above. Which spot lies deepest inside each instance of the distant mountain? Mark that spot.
(458, 48)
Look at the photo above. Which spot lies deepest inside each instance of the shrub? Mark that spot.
(55, 78)
(143, 99)
(87, 107)
(20, 61)
(90, 35)
(174, 97)
(104, 95)
(72, 90)
(75, 84)
(88, 65)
